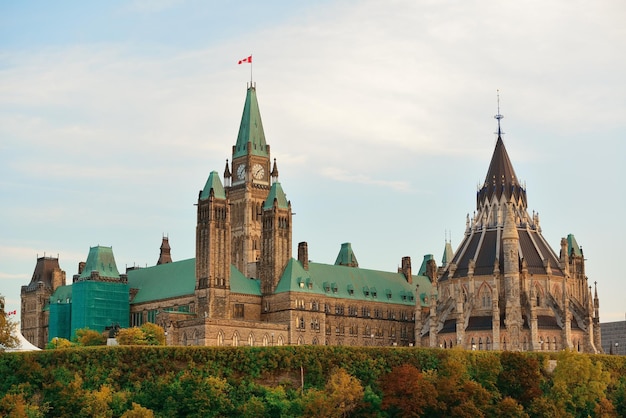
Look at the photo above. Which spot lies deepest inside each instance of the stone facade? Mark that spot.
(503, 289)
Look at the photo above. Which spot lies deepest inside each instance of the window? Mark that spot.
(238, 310)
(300, 323)
(339, 310)
(315, 305)
(365, 312)
(353, 311)
(152, 316)
(299, 303)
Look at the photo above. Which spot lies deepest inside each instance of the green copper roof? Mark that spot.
(251, 129)
(572, 245)
(100, 259)
(346, 256)
(62, 294)
(353, 283)
(422, 270)
(448, 253)
(163, 281)
(241, 284)
(213, 183)
(177, 279)
(276, 192)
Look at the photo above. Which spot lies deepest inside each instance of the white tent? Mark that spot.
(24, 345)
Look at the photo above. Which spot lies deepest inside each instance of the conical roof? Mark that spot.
(276, 193)
(213, 183)
(251, 129)
(501, 178)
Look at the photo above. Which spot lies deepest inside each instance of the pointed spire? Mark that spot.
(251, 134)
(274, 173)
(276, 194)
(228, 178)
(165, 256)
(214, 184)
(501, 178)
(447, 254)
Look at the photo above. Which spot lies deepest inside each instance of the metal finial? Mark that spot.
(499, 116)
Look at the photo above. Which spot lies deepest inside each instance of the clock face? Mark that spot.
(258, 171)
(241, 172)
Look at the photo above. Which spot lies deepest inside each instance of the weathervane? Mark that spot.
(499, 116)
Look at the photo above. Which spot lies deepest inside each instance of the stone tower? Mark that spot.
(249, 187)
(47, 277)
(276, 238)
(213, 250)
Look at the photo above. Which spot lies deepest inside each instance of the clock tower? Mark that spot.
(249, 187)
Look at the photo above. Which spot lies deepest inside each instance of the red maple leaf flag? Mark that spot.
(249, 59)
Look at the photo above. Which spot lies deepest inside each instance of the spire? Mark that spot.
(165, 256)
(274, 173)
(447, 254)
(251, 132)
(501, 178)
(276, 194)
(214, 184)
(346, 256)
(228, 178)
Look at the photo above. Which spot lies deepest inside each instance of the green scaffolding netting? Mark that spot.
(60, 321)
(96, 305)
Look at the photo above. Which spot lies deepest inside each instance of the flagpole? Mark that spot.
(250, 70)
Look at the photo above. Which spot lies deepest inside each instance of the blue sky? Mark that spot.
(380, 115)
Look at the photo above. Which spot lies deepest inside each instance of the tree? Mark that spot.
(131, 336)
(138, 411)
(89, 337)
(8, 329)
(406, 393)
(153, 334)
(578, 385)
(342, 394)
(57, 342)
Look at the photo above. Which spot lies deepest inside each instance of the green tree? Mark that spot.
(131, 336)
(89, 337)
(8, 329)
(342, 394)
(153, 334)
(578, 384)
(57, 342)
(138, 411)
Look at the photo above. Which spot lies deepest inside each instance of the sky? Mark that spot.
(380, 116)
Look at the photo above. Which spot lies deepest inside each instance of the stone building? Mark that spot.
(504, 288)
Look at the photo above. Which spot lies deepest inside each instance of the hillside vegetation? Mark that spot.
(140, 381)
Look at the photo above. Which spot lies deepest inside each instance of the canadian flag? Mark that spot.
(12, 312)
(249, 59)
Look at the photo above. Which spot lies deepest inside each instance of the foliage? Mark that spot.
(57, 342)
(131, 336)
(89, 337)
(147, 334)
(578, 385)
(163, 381)
(8, 331)
(153, 334)
(406, 393)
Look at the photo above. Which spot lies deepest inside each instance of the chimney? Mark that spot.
(303, 254)
(81, 267)
(406, 269)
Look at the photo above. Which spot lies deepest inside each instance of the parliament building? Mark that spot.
(504, 288)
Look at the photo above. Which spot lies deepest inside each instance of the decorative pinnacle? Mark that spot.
(499, 116)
